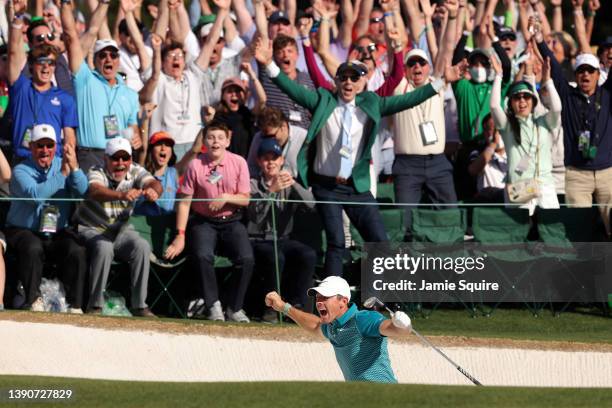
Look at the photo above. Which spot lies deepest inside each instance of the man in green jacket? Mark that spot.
(335, 157)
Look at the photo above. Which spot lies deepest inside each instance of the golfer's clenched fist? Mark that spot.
(274, 301)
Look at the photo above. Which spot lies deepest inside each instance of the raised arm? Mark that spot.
(557, 15)
(179, 21)
(16, 54)
(128, 7)
(553, 117)
(497, 112)
(98, 28)
(580, 27)
(432, 44)
(363, 20)
(203, 59)
(593, 6)
(71, 37)
(262, 98)
(346, 28)
(244, 20)
(146, 93)
(307, 321)
(161, 22)
(329, 60)
(414, 19)
(318, 79)
(261, 21)
(447, 45)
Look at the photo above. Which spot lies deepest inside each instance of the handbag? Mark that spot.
(522, 191)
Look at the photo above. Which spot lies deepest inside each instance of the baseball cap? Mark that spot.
(235, 81)
(523, 87)
(353, 65)
(504, 32)
(331, 286)
(416, 52)
(586, 59)
(118, 144)
(102, 44)
(159, 136)
(206, 28)
(269, 145)
(43, 131)
(479, 52)
(278, 16)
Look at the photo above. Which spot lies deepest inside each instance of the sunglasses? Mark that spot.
(413, 61)
(48, 145)
(371, 47)
(176, 54)
(583, 69)
(104, 54)
(376, 20)
(353, 77)
(271, 135)
(509, 37)
(523, 95)
(122, 157)
(45, 61)
(42, 37)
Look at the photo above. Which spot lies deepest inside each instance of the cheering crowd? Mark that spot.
(229, 113)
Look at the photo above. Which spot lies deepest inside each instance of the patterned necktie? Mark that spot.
(346, 163)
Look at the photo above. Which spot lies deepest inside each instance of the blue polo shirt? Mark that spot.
(96, 98)
(31, 181)
(361, 351)
(30, 107)
(165, 205)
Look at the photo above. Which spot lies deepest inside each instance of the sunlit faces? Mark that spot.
(279, 27)
(349, 83)
(118, 165)
(233, 97)
(367, 52)
(417, 70)
(587, 78)
(173, 63)
(106, 62)
(43, 35)
(216, 141)
(43, 152)
(270, 164)
(522, 104)
(43, 69)
(161, 153)
(286, 58)
(376, 29)
(330, 308)
(508, 42)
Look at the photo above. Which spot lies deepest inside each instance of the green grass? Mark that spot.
(95, 393)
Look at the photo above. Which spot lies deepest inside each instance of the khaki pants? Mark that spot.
(581, 185)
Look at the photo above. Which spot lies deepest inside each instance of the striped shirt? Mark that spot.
(111, 215)
(297, 115)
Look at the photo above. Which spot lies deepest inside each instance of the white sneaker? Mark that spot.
(75, 310)
(37, 305)
(239, 316)
(215, 312)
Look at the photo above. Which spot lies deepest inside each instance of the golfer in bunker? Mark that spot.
(359, 337)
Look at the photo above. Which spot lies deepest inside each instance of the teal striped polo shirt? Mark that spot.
(361, 351)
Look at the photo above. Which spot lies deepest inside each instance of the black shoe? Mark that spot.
(144, 312)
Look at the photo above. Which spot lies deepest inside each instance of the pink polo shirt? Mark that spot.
(197, 182)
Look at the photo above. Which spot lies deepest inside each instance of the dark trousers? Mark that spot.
(32, 252)
(413, 174)
(233, 241)
(366, 218)
(296, 264)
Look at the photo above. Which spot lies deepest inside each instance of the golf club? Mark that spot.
(371, 302)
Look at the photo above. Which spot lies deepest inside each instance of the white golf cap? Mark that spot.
(118, 144)
(43, 131)
(416, 52)
(331, 286)
(586, 59)
(206, 28)
(102, 44)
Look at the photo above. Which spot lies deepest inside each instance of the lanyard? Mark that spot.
(113, 92)
(583, 115)
(34, 103)
(421, 108)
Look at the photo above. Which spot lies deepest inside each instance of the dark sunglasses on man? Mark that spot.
(374, 20)
(42, 37)
(45, 61)
(585, 68)
(370, 48)
(413, 61)
(103, 54)
(345, 77)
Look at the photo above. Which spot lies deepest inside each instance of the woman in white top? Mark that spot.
(527, 138)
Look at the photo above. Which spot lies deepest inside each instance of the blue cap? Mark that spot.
(278, 16)
(269, 145)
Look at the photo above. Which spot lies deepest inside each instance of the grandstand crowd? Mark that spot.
(233, 114)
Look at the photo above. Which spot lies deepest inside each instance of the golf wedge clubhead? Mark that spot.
(370, 302)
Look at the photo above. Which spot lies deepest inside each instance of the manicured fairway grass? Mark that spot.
(93, 393)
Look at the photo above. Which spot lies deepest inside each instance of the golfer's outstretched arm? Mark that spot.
(306, 321)
(398, 325)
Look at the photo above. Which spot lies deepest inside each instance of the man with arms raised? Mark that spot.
(359, 337)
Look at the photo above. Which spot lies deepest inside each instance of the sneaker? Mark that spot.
(270, 316)
(75, 310)
(239, 316)
(38, 305)
(215, 312)
(142, 312)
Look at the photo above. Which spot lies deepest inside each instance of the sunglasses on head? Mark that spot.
(413, 61)
(522, 95)
(45, 61)
(124, 157)
(585, 68)
(374, 20)
(42, 37)
(47, 145)
(346, 77)
(112, 54)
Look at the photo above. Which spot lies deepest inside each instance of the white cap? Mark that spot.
(205, 30)
(331, 286)
(116, 145)
(586, 59)
(43, 131)
(102, 44)
(416, 52)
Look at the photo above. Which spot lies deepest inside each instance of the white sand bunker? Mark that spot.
(70, 351)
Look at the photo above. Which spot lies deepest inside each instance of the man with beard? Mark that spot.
(107, 107)
(37, 100)
(38, 229)
(342, 137)
(103, 224)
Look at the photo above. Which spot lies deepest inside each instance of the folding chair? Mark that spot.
(438, 226)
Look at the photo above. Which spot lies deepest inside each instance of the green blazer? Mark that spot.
(321, 104)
